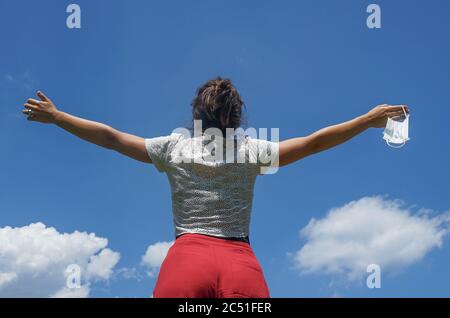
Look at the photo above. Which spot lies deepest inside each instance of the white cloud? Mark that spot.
(101, 266)
(371, 230)
(154, 256)
(33, 260)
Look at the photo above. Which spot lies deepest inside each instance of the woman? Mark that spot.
(212, 197)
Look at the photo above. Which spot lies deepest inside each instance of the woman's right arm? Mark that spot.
(294, 149)
(45, 111)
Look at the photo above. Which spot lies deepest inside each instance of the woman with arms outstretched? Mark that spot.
(211, 199)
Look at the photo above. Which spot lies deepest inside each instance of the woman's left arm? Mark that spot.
(294, 149)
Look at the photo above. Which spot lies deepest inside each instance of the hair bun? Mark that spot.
(224, 84)
(218, 105)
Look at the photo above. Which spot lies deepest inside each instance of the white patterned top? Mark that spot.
(212, 194)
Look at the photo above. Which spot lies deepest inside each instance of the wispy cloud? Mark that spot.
(12, 86)
(24, 80)
(131, 273)
(8, 77)
(29, 81)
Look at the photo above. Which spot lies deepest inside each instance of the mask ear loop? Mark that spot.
(402, 144)
(403, 108)
(392, 145)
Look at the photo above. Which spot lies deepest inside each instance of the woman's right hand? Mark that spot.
(42, 110)
(379, 115)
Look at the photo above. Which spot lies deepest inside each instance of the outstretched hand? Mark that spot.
(42, 110)
(379, 115)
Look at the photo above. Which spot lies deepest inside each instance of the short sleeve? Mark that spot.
(157, 149)
(266, 154)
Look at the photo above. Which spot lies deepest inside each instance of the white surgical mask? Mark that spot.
(396, 131)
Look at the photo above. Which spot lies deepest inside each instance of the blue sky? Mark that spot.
(299, 66)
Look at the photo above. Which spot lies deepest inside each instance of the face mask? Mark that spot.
(396, 131)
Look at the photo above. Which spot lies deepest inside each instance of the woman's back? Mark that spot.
(212, 194)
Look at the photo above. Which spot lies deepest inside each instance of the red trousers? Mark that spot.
(201, 266)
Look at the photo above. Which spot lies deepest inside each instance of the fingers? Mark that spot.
(26, 111)
(396, 111)
(42, 96)
(397, 115)
(28, 108)
(29, 116)
(33, 101)
(31, 106)
(401, 108)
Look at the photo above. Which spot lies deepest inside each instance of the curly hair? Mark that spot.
(218, 105)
